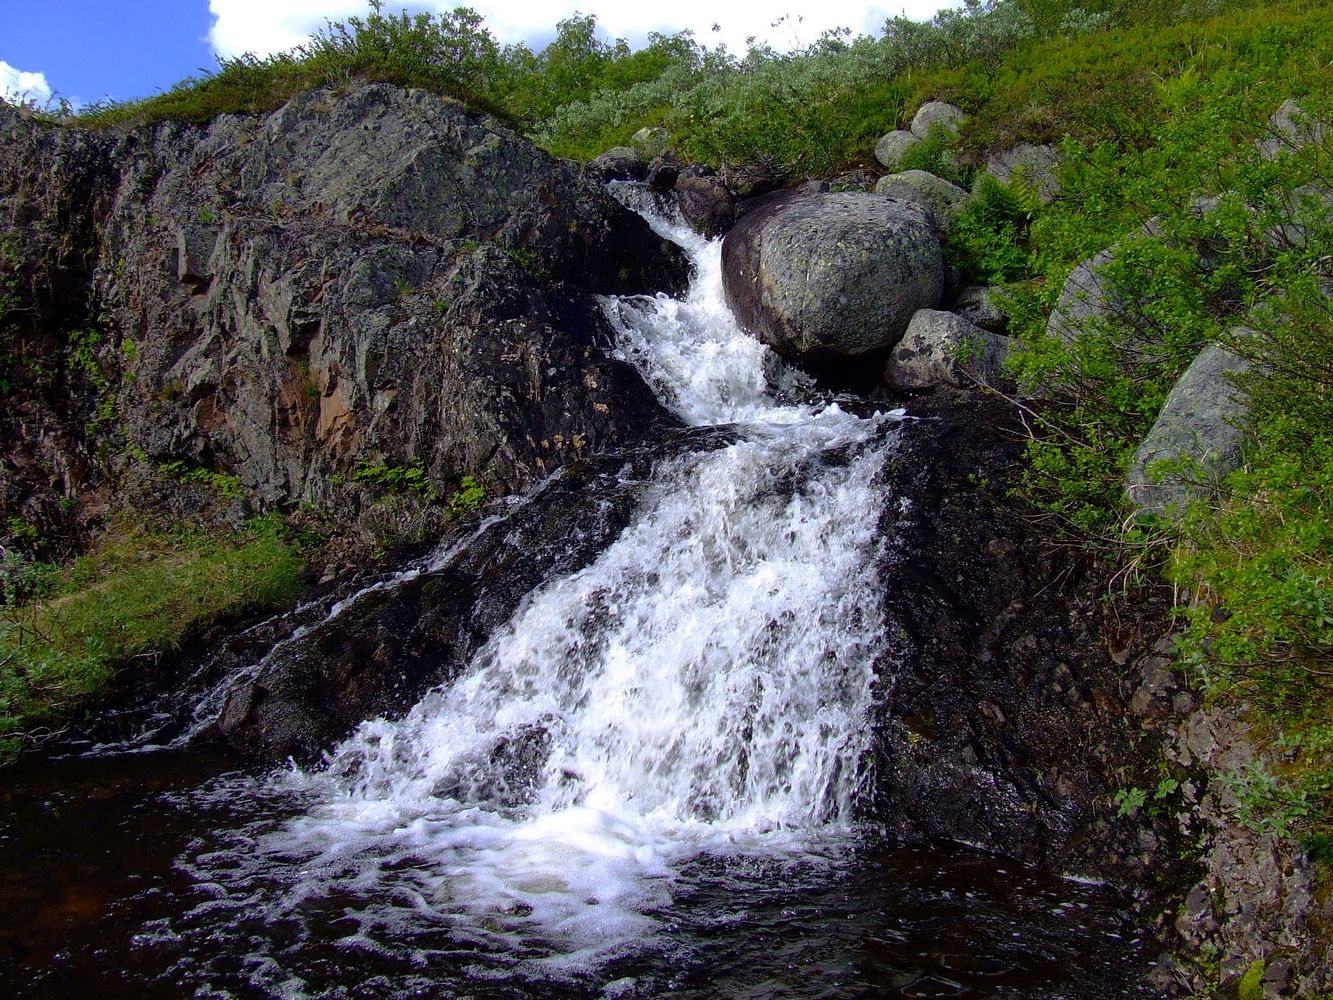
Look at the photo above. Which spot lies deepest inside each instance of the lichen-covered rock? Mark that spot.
(1037, 165)
(945, 200)
(372, 277)
(853, 180)
(1196, 439)
(891, 148)
(1290, 128)
(652, 142)
(826, 279)
(936, 114)
(1087, 298)
(940, 348)
(663, 174)
(1258, 900)
(750, 182)
(705, 202)
(1308, 217)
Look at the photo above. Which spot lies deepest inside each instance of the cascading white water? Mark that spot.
(703, 687)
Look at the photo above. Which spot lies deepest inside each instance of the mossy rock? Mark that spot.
(1251, 986)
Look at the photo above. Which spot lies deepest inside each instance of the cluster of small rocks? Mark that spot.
(705, 199)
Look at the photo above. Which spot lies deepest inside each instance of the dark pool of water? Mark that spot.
(97, 899)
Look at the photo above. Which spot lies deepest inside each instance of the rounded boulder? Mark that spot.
(944, 200)
(827, 279)
(891, 148)
(935, 114)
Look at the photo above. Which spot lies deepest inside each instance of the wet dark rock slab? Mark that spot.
(1004, 722)
(380, 655)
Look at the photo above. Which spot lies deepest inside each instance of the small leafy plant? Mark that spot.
(396, 478)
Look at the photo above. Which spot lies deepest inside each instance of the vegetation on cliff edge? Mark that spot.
(1216, 242)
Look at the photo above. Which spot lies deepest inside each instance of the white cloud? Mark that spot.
(18, 85)
(266, 26)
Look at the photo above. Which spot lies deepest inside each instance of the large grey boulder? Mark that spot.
(935, 114)
(943, 349)
(945, 200)
(854, 180)
(976, 304)
(1087, 299)
(372, 277)
(1091, 298)
(1197, 438)
(891, 148)
(652, 142)
(411, 162)
(827, 278)
(705, 201)
(1308, 215)
(1037, 165)
(1290, 128)
(620, 163)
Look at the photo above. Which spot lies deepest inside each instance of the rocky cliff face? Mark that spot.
(369, 277)
(1007, 723)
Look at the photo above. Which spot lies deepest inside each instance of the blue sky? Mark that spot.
(85, 50)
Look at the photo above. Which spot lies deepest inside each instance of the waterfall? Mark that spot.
(701, 689)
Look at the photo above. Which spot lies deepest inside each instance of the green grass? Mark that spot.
(1102, 85)
(67, 632)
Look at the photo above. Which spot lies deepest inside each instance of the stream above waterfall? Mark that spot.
(646, 781)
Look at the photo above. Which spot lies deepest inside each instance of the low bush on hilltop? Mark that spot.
(1021, 68)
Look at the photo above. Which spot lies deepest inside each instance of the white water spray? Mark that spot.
(702, 688)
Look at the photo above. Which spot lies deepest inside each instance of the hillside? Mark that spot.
(1141, 191)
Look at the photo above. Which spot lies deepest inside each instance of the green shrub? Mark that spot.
(469, 496)
(1023, 69)
(990, 238)
(936, 154)
(1182, 282)
(223, 485)
(450, 53)
(1258, 565)
(1251, 986)
(1253, 563)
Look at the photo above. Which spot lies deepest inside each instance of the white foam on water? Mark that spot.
(702, 688)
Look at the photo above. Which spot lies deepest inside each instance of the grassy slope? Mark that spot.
(67, 631)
